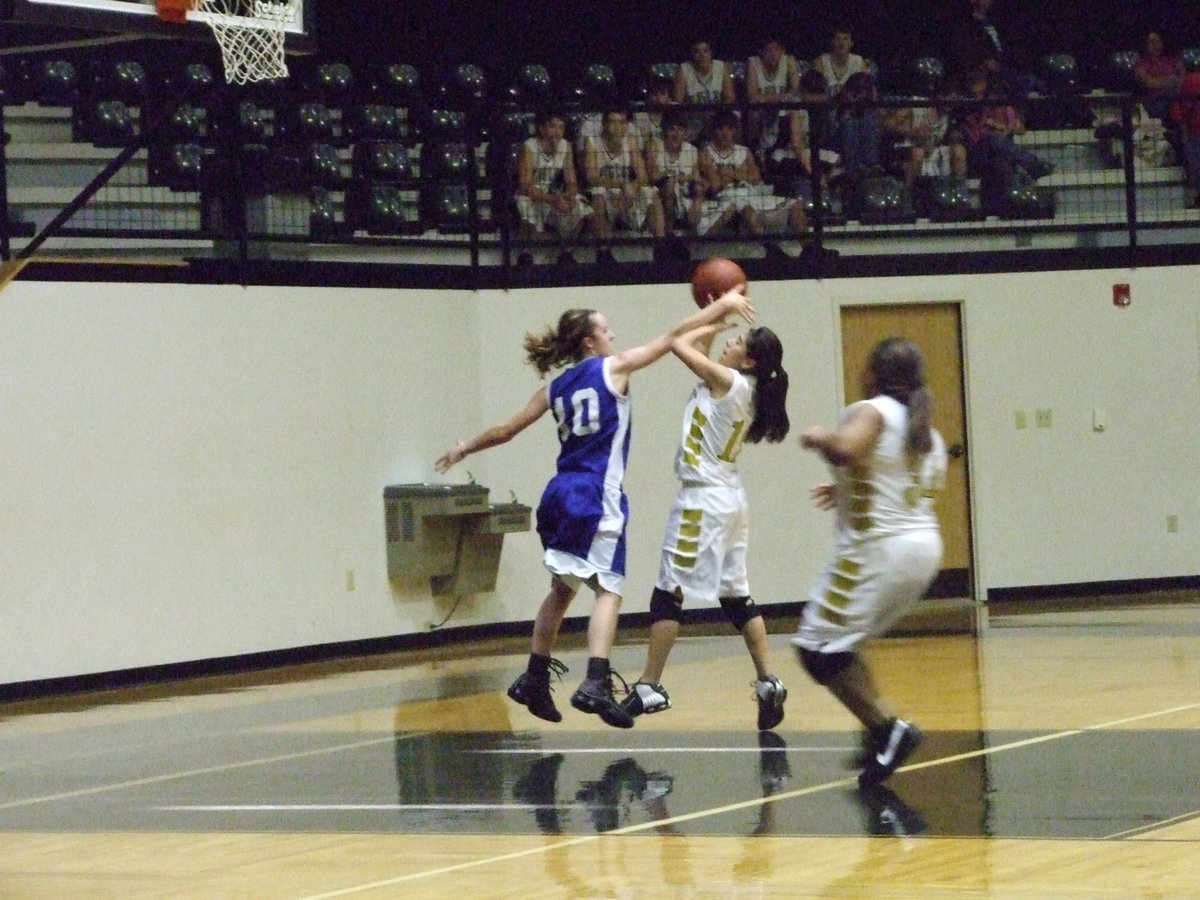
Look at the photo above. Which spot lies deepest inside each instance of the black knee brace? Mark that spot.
(824, 667)
(665, 605)
(739, 610)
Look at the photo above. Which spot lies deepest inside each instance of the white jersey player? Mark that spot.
(888, 465)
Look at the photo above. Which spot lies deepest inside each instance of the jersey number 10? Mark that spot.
(584, 418)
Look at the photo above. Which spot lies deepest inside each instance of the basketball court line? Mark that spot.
(578, 751)
(351, 807)
(1154, 826)
(734, 807)
(206, 770)
(392, 738)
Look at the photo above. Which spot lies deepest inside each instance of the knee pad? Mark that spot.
(739, 610)
(665, 605)
(824, 667)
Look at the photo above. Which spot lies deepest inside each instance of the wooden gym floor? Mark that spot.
(1060, 761)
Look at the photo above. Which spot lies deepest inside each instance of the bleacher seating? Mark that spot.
(343, 152)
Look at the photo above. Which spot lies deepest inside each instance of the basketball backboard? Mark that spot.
(138, 17)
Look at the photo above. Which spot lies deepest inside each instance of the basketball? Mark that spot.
(714, 277)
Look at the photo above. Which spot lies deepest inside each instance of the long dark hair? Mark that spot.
(898, 371)
(562, 344)
(770, 387)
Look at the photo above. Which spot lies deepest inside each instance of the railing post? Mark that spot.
(473, 146)
(227, 201)
(1127, 147)
(816, 139)
(5, 224)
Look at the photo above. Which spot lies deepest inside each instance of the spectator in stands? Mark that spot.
(839, 64)
(703, 80)
(788, 165)
(974, 44)
(1158, 75)
(858, 124)
(858, 137)
(1186, 112)
(616, 179)
(673, 166)
(993, 155)
(647, 124)
(736, 191)
(547, 188)
(772, 77)
(928, 144)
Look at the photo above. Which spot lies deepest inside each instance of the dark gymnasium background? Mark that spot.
(567, 35)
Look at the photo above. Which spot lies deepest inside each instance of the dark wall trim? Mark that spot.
(1094, 589)
(256, 662)
(253, 662)
(706, 617)
(291, 273)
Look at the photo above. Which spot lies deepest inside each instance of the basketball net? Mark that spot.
(249, 32)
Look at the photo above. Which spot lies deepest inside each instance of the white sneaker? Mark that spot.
(770, 694)
(645, 697)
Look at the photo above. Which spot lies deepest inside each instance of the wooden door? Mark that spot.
(935, 329)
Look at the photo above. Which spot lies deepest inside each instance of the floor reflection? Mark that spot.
(705, 784)
(887, 815)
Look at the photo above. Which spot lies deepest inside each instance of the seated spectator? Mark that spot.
(1158, 75)
(858, 125)
(703, 80)
(974, 43)
(547, 188)
(737, 195)
(772, 76)
(928, 145)
(585, 125)
(673, 166)
(862, 138)
(788, 164)
(992, 154)
(839, 64)
(620, 191)
(647, 123)
(1186, 112)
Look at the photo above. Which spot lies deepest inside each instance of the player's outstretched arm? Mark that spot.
(692, 348)
(501, 433)
(734, 302)
(852, 440)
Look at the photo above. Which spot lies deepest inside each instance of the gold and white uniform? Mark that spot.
(740, 194)
(704, 550)
(702, 90)
(838, 75)
(624, 207)
(682, 166)
(548, 176)
(769, 84)
(888, 546)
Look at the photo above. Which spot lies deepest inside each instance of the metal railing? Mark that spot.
(315, 182)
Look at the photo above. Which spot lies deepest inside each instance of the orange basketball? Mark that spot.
(714, 277)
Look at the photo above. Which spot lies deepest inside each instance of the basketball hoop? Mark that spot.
(250, 33)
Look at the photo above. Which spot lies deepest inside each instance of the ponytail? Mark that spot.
(897, 369)
(770, 387)
(919, 438)
(562, 344)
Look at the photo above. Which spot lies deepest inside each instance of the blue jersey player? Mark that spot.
(582, 514)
